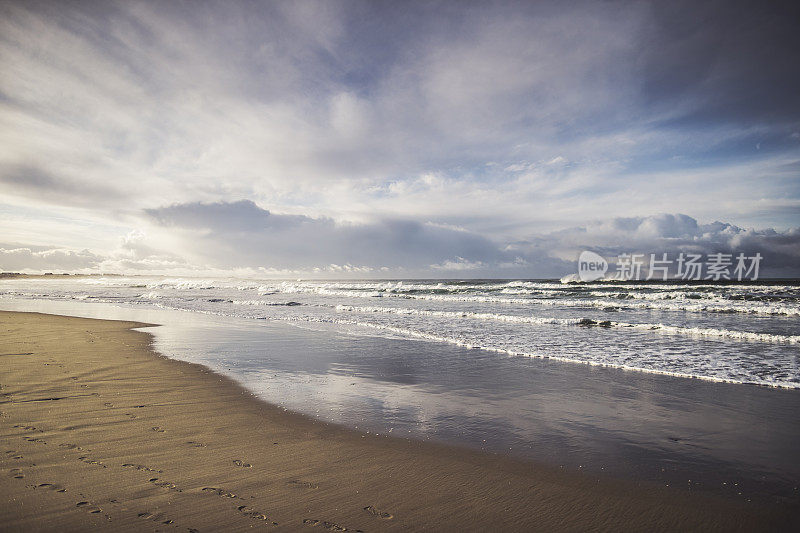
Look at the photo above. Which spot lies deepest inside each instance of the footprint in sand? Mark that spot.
(379, 514)
(130, 415)
(13, 454)
(34, 439)
(157, 517)
(70, 446)
(328, 525)
(16, 473)
(27, 428)
(108, 404)
(91, 462)
(51, 486)
(89, 507)
(302, 484)
(142, 468)
(166, 484)
(196, 444)
(219, 492)
(159, 429)
(242, 464)
(252, 513)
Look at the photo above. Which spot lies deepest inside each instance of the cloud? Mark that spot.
(463, 127)
(132, 255)
(230, 234)
(676, 233)
(247, 235)
(25, 259)
(458, 264)
(242, 239)
(38, 181)
(708, 66)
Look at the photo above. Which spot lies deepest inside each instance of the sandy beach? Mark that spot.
(101, 433)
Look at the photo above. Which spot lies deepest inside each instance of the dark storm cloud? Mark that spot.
(735, 60)
(242, 216)
(246, 235)
(676, 233)
(240, 236)
(231, 234)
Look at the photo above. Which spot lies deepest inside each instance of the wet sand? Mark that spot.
(100, 432)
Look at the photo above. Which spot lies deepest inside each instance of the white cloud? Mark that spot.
(458, 264)
(25, 259)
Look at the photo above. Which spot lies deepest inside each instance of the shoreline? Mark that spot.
(144, 440)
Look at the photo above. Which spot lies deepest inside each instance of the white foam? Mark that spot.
(690, 306)
(660, 328)
(685, 298)
(152, 295)
(267, 303)
(598, 363)
(461, 312)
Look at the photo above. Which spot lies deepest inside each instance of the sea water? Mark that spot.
(687, 385)
(739, 333)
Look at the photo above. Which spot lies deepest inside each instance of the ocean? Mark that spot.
(738, 333)
(688, 385)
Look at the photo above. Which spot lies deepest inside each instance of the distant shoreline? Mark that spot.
(601, 282)
(49, 275)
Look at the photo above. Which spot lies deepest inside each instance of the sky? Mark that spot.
(395, 139)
